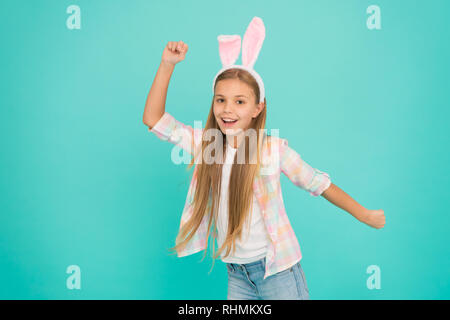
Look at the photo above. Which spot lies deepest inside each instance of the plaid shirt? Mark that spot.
(284, 249)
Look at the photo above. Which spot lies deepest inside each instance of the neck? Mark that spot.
(233, 141)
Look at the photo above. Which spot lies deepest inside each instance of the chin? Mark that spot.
(231, 132)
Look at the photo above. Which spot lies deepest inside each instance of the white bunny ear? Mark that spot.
(252, 43)
(229, 48)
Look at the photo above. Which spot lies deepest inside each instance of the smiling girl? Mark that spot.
(242, 203)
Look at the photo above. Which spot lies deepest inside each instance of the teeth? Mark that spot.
(228, 120)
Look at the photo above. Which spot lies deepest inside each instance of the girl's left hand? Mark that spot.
(375, 218)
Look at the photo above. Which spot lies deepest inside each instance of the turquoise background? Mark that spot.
(84, 183)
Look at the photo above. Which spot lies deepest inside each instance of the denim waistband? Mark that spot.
(248, 266)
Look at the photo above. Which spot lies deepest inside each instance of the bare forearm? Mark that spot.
(156, 99)
(342, 200)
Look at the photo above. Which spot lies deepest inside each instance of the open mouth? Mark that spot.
(228, 121)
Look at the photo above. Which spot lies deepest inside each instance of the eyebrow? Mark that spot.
(239, 95)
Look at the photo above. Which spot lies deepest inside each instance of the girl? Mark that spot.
(235, 187)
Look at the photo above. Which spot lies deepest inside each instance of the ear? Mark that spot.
(252, 43)
(229, 48)
(259, 108)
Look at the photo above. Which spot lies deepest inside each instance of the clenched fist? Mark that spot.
(174, 52)
(375, 218)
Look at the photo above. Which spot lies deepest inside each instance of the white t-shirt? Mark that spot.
(253, 245)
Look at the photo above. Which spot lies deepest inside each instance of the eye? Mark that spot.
(218, 100)
(242, 101)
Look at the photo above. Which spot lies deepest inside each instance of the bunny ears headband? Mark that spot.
(230, 46)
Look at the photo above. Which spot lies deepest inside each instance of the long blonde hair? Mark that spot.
(209, 178)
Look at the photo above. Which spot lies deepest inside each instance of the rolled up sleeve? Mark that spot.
(169, 129)
(301, 173)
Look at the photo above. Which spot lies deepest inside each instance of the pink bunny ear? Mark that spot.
(229, 48)
(252, 43)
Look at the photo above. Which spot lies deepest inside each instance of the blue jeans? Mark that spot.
(245, 282)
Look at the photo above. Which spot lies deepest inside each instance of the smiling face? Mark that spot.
(234, 107)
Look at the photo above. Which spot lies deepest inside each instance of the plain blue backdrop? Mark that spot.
(84, 183)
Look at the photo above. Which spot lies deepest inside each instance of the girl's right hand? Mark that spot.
(174, 52)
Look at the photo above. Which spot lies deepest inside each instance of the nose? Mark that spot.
(227, 107)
